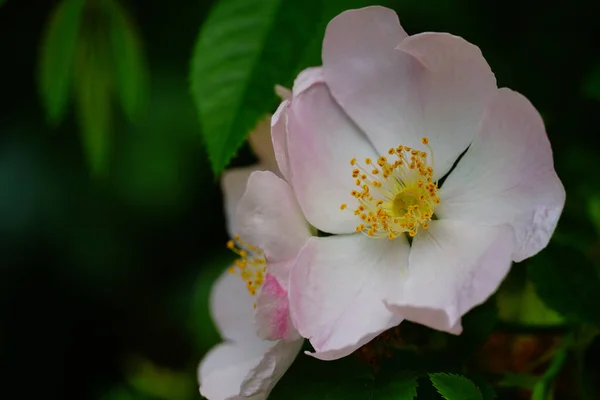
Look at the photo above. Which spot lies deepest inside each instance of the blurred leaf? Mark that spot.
(245, 47)
(543, 387)
(455, 387)
(568, 282)
(131, 73)
(56, 58)
(158, 382)
(395, 386)
(2, 2)
(519, 303)
(93, 83)
(594, 211)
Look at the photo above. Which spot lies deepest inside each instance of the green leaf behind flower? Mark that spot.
(455, 387)
(57, 53)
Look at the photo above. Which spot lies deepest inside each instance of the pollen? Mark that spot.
(395, 195)
(251, 264)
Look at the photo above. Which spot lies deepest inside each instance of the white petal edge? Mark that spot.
(507, 176)
(401, 88)
(321, 143)
(453, 267)
(246, 370)
(337, 288)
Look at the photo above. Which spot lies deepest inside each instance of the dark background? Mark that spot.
(103, 280)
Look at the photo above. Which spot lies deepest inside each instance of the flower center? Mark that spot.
(250, 266)
(395, 196)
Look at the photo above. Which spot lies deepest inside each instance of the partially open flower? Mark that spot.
(250, 302)
(433, 179)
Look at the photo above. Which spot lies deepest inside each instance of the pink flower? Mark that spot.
(249, 304)
(366, 141)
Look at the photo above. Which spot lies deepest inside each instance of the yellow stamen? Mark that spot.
(395, 196)
(251, 266)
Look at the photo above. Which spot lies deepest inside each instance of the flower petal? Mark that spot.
(269, 217)
(247, 370)
(507, 176)
(453, 267)
(399, 89)
(233, 186)
(279, 138)
(321, 143)
(337, 289)
(232, 308)
(272, 310)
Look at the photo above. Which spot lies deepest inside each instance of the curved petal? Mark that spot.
(399, 89)
(453, 267)
(261, 144)
(233, 186)
(232, 308)
(507, 176)
(272, 310)
(269, 217)
(321, 143)
(247, 370)
(337, 289)
(279, 138)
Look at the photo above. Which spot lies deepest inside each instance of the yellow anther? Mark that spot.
(398, 197)
(250, 266)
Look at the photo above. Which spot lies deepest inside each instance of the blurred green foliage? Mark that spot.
(105, 277)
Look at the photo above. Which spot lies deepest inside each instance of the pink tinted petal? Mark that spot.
(508, 176)
(272, 312)
(321, 143)
(246, 370)
(453, 267)
(261, 144)
(399, 89)
(232, 308)
(337, 289)
(279, 138)
(269, 217)
(233, 185)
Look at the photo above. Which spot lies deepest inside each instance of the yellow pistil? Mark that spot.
(250, 266)
(395, 196)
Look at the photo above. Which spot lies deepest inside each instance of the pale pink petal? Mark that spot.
(261, 144)
(233, 186)
(232, 308)
(337, 289)
(453, 267)
(269, 217)
(507, 176)
(399, 89)
(321, 143)
(272, 311)
(246, 370)
(279, 138)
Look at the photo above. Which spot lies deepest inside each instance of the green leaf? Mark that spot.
(568, 282)
(56, 57)
(93, 82)
(455, 387)
(245, 47)
(395, 386)
(131, 75)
